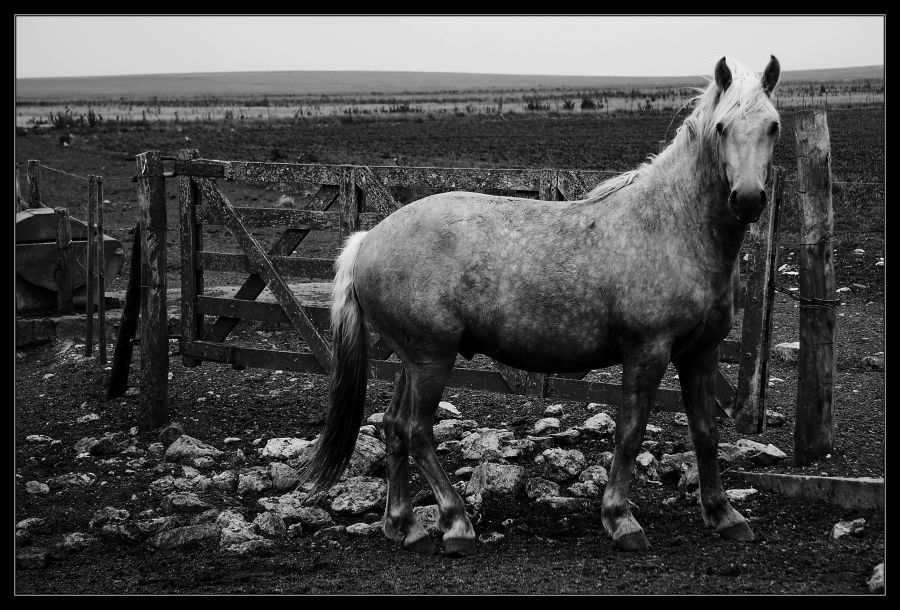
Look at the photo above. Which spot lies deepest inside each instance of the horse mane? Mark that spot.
(745, 95)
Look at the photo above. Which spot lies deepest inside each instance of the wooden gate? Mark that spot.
(351, 198)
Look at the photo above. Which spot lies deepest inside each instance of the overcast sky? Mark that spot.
(582, 45)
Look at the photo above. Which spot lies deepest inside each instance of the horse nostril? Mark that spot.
(763, 198)
(732, 198)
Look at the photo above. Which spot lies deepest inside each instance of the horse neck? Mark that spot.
(694, 194)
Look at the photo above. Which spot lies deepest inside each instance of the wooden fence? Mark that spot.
(351, 198)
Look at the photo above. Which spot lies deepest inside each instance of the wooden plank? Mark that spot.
(378, 350)
(730, 351)
(308, 220)
(204, 168)
(350, 201)
(377, 195)
(368, 220)
(324, 197)
(762, 247)
(262, 266)
(241, 356)
(469, 379)
(151, 190)
(64, 261)
(724, 393)
(466, 179)
(573, 185)
(813, 431)
(294, 266)
(516, 379)
(849, 493)
(101, 274)
(121, 364)
(33, 173)
(259, 311)
(89, 258)
(191, 241)
(247, 171)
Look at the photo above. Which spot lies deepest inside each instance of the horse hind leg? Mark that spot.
(399, 523)
(427, 383)
(641, 373)
(696, 373)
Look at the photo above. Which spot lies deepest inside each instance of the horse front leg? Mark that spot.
(697, 373)
(399, 523)
(641, 373)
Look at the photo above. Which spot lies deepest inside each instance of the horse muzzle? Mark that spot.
(747, 207)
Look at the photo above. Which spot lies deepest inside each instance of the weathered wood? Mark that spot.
(245, 171)
(121, 364)
(350, 201)
(516, 379)
(34, 184)
(308, 220)
(101, 275)
(377, 195)
(89, 258)
(262, 266)
(241, 356)
(466, 179)
(753, 375)
(730, 351)
(204, 168)
(379, 350)
(547, 190)
(468, 379)
(723, 393)
(573, 184)
(151, 190)
(864, 492)
(259, 311)
(813, 432)
(294, 266)
(64, 258)
(191, 241)
(324, 197)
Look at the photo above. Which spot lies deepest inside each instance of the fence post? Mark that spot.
(756, 332)
(350, 201)
(34, 184)
(813, 430)
(121, 364)
(151, 189)
(89, 268)
(191, 242)
(64, 258)
(101, 275)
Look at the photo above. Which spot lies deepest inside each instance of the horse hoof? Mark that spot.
(740, 532)
(460, 547)
(632, 541)
(421, 545)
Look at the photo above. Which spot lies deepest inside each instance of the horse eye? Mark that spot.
(720, 128)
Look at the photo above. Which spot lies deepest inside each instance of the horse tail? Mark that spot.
(349, 369)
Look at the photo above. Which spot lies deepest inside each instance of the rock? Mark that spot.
(874, 362)
(32, 559)
(156, 450)
(559, 503)
(680, 419)
(452, 429)
(121, 531)
(230, 440)
(171, 433)
(286, 448)
(183, 503)
(375, 419)
(358, 495)
(163, 484)
(876, 583)
(601, 425)
(208, 516)
(537, 487)
(31, 524)
(38, 438)
(542, 443)
(733, 455)
(761, 455)
(37, 488)
(334, 532)
(553, 410)
(669, 501)
(561, 464)
(187, 535)
(464, 473)
(87, 418)
(368, 457)
(105, 445)
(566, 438)
(428, 517)
(291, 509)
(253, 479)
(843, 528)
(739, 495)
(364, 529)
(449, 447)
(645, 466)
(108, 514)
(295, 530)
(23, 538)
(368, 430)
(671, 466)
(491, 538)
(606, 459)
(651, 429)
(270, 524)
(424, 497)
(545, 425)
(148, 527)
(75, 541)
(447, 410)
(226, 480)
(496, 479)
(690, 481)
(774, 419)
(283, 476)
(255, 546)
(186, 448)
(787, 352)
(585, 489)
(594, 474)
(204, 461)
(476, 443)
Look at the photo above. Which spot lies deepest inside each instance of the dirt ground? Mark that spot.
(541, 551)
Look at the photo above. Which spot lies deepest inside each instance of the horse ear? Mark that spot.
(723, 75)
(771, 74)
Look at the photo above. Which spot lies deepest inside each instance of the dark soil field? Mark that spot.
(541, 551)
